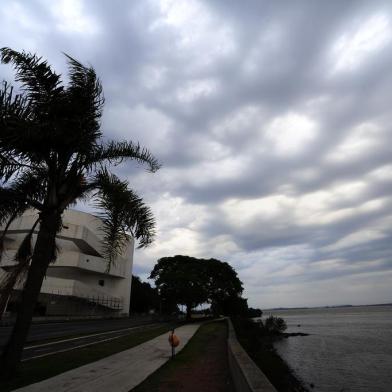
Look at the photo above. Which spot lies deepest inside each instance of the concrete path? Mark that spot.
(119, 372)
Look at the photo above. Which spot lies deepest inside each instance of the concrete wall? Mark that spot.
(246, 375)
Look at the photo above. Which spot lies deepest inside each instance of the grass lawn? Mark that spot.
(41, 368)
(201, 366)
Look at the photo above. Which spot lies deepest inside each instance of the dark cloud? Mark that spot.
(272, 122)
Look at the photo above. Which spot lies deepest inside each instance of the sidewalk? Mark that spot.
(119, 372)
(202, 366)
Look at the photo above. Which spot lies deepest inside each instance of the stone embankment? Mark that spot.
(247, 377)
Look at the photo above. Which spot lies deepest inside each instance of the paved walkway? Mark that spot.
(119, 372)
(204, 368)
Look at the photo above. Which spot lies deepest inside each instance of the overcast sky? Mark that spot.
(272, 120)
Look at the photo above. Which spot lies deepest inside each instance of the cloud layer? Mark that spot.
(272, 121)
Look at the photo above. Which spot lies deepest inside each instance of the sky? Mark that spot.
(272, 121)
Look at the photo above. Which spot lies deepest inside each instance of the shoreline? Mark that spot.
(262, 351)
(281, 369)
(298, 383)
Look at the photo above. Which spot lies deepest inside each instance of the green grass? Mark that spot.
(193, 351)
(41, 368)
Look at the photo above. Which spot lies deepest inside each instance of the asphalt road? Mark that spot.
(40, 332)
(37, 350)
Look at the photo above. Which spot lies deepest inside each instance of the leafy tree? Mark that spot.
(254, 312)
(235, 306)
(143, 297)
(180, 280)
(52, 154)
(190, 281)
(275, 325)
(223, 283)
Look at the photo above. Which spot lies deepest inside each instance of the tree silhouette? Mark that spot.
(180, 280)
(190, 281)
(52, 154)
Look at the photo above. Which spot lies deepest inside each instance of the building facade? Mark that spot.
(78, 282)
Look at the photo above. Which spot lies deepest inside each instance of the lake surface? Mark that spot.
(349, 349)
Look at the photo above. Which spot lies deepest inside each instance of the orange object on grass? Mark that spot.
(173, 340)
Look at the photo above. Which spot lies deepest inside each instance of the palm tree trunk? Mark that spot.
(43, 254)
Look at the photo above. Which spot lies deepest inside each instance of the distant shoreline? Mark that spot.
(326, 307)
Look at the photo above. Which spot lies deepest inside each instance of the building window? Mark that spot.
(101, 282)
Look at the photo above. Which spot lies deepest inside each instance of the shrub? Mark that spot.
(275, 325)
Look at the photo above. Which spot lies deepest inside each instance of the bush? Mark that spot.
(275, 325)
(254, 312)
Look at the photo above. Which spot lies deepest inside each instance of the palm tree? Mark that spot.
(52, 154)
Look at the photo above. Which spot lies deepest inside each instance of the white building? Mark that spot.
(78, 282)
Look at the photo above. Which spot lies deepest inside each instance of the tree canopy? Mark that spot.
(180, 279)
(143, 297)
(191, 281)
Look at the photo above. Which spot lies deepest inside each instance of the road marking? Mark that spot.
(70, 348)
(86, 336)
(85, 345)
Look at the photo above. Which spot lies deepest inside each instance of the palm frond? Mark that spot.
(13, 105)
(85, 82)
(116, 152)
(121, 211)
(16, 128)
(35, 75)
(75, 188)
(50, 110)
(10, 205)
(110, 199)
(85, 103)
(27, 190)
(25, 137)
(32, 184)
(140, 221)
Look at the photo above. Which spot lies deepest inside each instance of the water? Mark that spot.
(349, 349)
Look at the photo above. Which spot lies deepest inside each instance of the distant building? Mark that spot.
(78, 282)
